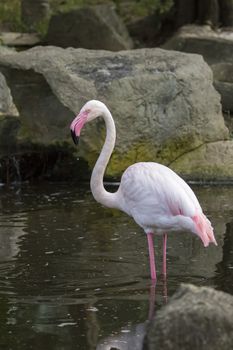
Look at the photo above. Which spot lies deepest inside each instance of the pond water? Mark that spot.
(75, 275)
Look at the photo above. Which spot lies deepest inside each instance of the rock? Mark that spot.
(19, 39)
(9, 115)
(7, 107)
(195, 318)
(217, 49)
(211, 161)
(9, 121)
(90, 27)
(163, 102)
(214, 46)
(145, 31)
(223, 82)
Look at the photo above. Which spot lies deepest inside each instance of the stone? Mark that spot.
(217, 49)
(163, 102)
(7, 107)
(212, 161)
(214, 46)
(223, 82)
(197, 318)
(89, 27)
(19, 39)
(9, 121)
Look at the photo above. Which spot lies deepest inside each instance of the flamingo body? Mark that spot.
(157, 198)
(161, 201)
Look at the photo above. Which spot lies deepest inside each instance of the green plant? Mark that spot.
(10, 14)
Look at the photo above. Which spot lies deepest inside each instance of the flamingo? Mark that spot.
(157, 198)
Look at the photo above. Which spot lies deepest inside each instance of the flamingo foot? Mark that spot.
(165, 255)
(151, 256)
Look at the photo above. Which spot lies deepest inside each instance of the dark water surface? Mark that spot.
(74, 275)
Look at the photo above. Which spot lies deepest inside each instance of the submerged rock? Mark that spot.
(163, 103)
(197, 318)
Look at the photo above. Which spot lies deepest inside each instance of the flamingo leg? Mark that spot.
(165, 254)
(151, 255)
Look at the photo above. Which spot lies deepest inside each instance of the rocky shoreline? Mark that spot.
(163, 101)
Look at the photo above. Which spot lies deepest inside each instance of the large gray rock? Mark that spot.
(197, 318)
(163, 102)
(217, 49)
(90, 27)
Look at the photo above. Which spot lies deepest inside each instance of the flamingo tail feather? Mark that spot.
(204, 229)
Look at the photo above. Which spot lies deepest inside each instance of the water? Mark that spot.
(75, 275)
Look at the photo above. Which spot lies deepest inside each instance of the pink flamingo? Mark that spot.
(154, 195)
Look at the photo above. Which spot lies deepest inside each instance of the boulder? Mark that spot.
(163, 102)
(214, 46)
(223, 82)
(19, 40)
(217, 49)
(197, 318)
(90, 27)
(209, 161)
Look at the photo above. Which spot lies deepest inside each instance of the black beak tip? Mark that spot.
(74, 137)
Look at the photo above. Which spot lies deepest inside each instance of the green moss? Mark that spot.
(42, 27)
(141, 151)
(176, 147)
(144, 151)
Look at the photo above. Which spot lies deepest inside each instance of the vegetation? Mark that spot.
(10, 15)
(11, 19)
(13, 16)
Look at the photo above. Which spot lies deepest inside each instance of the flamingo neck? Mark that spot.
(97, 186)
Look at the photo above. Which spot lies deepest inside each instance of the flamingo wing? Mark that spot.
(154, 195)
(161, 201)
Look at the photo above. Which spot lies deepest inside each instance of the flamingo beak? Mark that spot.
(74, 137)
(77, 125)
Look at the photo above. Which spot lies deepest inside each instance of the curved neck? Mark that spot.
(97, 186)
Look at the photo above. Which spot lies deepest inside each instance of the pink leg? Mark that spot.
(165, 254)
(151, 255)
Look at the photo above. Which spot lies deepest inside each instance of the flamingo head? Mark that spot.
(91, 110)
